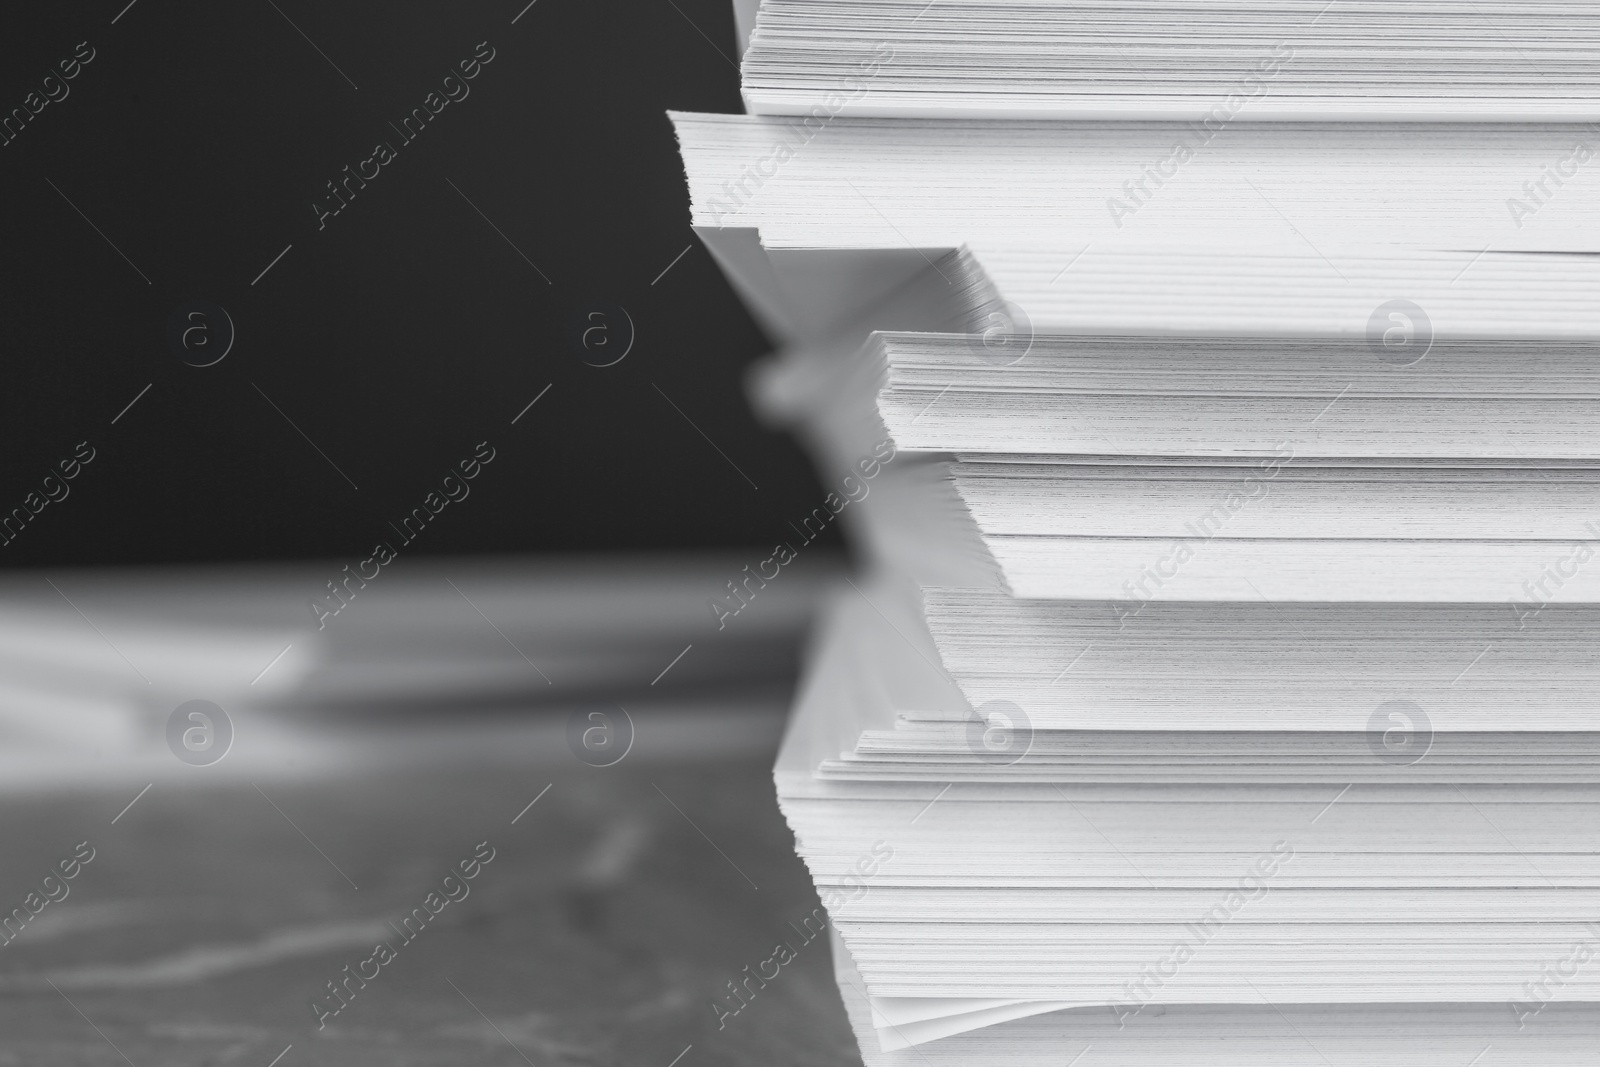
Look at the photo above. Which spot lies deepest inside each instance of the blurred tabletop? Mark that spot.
(620, 900)
(614, 911)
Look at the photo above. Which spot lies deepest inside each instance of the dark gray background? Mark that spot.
(408, 329)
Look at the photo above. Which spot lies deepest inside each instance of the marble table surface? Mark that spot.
(216, 909)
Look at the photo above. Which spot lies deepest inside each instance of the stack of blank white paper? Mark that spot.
(1225, 687)
(1114, 881)
(1265, 59)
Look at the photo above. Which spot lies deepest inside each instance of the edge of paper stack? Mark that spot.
(1215, 393)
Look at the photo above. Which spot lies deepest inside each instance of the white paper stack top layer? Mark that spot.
(1450, 59)
(1214, 390)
